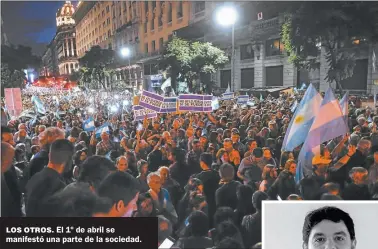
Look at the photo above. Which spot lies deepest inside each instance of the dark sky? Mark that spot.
(30, 23)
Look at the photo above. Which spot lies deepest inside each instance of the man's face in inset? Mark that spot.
(330, 235)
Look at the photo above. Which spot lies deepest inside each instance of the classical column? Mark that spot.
(72, 47)
(68, 51)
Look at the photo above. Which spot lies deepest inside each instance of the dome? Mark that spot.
(64, 15)
(67, 10)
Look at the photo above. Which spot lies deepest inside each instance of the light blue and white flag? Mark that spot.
(40, 107)
(89, 124)
(215, 103)
(294, 106)
(302, 120)
(328, 124)
(344, 106)
(103, 128)
(303, 86)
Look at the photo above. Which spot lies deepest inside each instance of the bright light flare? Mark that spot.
(113, 108)
(125, 52)
(90, 110)
(226, 16)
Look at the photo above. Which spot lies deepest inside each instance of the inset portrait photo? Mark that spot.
(319, 224)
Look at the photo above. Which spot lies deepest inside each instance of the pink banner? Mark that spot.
(13, 101)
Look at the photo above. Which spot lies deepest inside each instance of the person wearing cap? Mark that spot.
(310, 186)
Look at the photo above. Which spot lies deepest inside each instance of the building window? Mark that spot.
(169, 12)
(108, 21)
(199, 6)
(247, 78)
(153, 22)
(103, 24)
(161, 43)
(274, 47)
(246, 52)
(179, 9)
(103, 13)
(170, 37)
(145, 6)
(124, 6)
(107, 9)
(146, 47)
(153, 5)
(145, 26)
(160, 20)
(109, 33)
(153, 46)
(114, 13)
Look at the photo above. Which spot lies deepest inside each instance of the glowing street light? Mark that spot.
(227, 16)
(126, 52)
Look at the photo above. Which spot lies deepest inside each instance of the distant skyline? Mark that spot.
(24, 26)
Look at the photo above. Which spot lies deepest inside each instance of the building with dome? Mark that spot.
(60, 58)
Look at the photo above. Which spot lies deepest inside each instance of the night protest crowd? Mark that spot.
(204, 175)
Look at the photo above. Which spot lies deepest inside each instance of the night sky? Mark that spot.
(30, 23)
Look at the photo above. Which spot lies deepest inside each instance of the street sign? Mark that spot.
(259, 16)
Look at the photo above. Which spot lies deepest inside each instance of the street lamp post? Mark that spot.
(125, 52)
(227, 16)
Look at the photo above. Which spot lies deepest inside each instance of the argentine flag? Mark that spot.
(89, 124)
(40, 107)
(302, 120)
(328, 124)
(294, 106)
(102, 128)
(215, 103)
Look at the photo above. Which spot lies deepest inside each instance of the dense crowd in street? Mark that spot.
(204, 175)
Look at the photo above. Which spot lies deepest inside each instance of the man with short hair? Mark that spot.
(225, 195)
(92, 171)
(105, 145)
(254, 164)
(49, 180)
(328, 227)
(210, 179)
(7, 135)
(160, 198)
(41, 159)
(122, 189)
(251, 224)
(193, 156)
(358, 189)
(122, 164)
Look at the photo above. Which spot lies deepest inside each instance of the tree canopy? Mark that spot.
(187, 60)
(96, 65)
(336, 27)
(14, 60)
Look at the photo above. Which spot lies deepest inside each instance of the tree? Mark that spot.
(14, 60)
(98, 63)
(332, 26)
(187, 60)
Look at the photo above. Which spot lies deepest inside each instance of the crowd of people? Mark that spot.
(204, 175)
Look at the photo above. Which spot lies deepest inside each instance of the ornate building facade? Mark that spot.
(65, 40)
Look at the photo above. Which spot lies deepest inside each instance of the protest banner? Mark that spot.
(228, 96)
(151, 101)
(140, 113)
(195, 103)
(169, 105)
(13, 101)
(243, 99)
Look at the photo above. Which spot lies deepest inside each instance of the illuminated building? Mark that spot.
(260, 58)
(160, 19)
(65, 40)
(94, 25)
